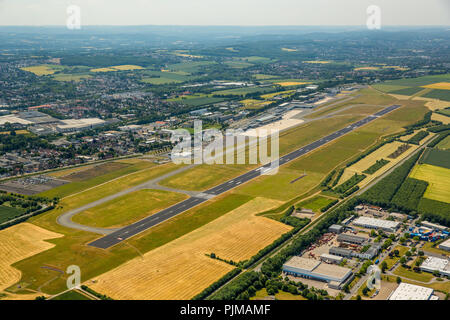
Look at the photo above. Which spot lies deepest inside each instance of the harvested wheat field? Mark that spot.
(181, 269)
(17, 243)
(441, 118)
(440, 85)
(437, 104)
(381, 153)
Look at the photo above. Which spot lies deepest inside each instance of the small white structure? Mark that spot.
(406, 291)
(445, 245)
(373, 223)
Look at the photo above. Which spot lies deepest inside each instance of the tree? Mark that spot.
(358, 297)
(402, 260)
(399, 280)
(421, 253)
(365, 291)
(408, 254)
(384, 266)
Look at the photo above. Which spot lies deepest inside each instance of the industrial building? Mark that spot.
(335, 228)
(445, 245)
(406, 291)
(348, 238)
(330, 258)
(432, 264)
(372, 223)
(341, 252)
(334, 275)
(433, 226)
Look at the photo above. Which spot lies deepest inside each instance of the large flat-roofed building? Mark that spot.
(348, 238)
(433, 225)
(316, 270)
(406, 291)
(79, 124)
(432, 264)
(373, 223)
(445, 245)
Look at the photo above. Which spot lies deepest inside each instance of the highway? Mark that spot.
(133, 229)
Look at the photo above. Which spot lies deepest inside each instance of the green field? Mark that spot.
(204, 176)
(158, 81)
(417, 82)
(436, 157)
(315, 203)
(438, 94)
(7, 213)
(71, 77)
(190, 67)
(245, 90)
(128, 209)
(438, 179)
(444, 144)
(407, 91)
(74, 187)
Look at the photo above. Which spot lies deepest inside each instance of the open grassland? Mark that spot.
(244, 91)
(95, 171)
(204, 176)
(315, 203)
(114, 186)
(317, 62)
(128, 209)
(43, 70)
(66, 172)
(117, 68)
(279, 186)
(438, 179)
(17, 243)
(285, 93)
(75, 187)
(159, 81)
(444, 144)
(236, 236)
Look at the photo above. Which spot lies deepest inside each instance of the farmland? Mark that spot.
(444, 144)
(43, 70)
(315, 204)
(438, 179)
(224, 236)
(436, 157)
(19, 242)
(128, 209)
(7, 213)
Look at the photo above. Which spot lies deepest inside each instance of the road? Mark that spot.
(133, 229)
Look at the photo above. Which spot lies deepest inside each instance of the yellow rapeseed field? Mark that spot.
(181, 269)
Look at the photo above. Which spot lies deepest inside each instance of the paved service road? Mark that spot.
(155, 219)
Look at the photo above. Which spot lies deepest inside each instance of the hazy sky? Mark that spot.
(224, 12)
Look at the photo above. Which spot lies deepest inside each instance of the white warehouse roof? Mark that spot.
(376, 223)
(406, 291)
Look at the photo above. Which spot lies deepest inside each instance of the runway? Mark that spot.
(157, 218)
